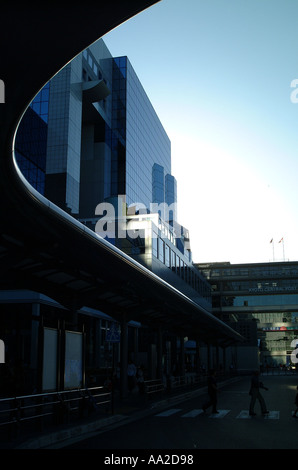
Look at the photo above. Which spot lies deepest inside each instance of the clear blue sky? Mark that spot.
(219, 73)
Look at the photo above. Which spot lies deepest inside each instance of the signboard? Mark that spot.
(113, 334)
(279, 328)
(73, 359)
(49, 369)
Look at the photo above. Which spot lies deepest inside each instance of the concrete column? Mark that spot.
(136, 345)
(217, 357)
(198, 356)
(61, 355)
(123, 357)
(159, 354)
(182, 354)
(34, 336)
(208, 357)
(97, 342)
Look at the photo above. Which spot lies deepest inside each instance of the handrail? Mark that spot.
(60, 405)
(153, 386)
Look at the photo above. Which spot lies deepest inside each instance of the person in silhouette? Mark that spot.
(256, 395)
(212, 392)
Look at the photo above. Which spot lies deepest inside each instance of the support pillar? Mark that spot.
(123, 358)
(182, 358)
(217, 357)
(159, 353)
(136, 345)
(224, 359)
(198, 357)
(208, 357)
(34, 342)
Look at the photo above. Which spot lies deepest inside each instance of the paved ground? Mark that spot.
(183, 425)
(132, 408)
(278, 431)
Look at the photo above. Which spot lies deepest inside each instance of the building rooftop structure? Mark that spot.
(106, 162)
(262, 294)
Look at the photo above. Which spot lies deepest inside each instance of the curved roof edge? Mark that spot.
(27, 219)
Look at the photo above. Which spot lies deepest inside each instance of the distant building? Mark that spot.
(259, 300)
(94, 138)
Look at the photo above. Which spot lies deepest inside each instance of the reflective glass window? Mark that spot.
(167, 256)
(161, 250)
(155, 245)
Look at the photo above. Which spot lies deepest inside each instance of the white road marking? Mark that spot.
(220, 414)
(169, 412)
(192, 414)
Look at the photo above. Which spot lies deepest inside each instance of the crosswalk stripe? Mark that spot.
(192, 414)
(220, 414)
(272, 415)
(169, 412)
(244, 414)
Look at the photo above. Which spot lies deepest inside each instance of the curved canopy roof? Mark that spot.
(42, 248)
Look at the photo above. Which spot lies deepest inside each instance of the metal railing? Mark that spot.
(190, 381)
(40, 411)
(153, 387)
(284, 370)
(186, 381)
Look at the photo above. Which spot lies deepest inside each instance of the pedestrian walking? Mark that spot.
(296, 403)
(212, 392)
(255, 394)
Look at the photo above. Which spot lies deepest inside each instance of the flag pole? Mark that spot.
(283, 247)
(271, 241)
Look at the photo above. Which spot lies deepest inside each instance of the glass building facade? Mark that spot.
(147, 143)
(158, 184)
(31, 142)
(122, 131)
(97, 138)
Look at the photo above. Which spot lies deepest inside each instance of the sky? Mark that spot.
(221, 77)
